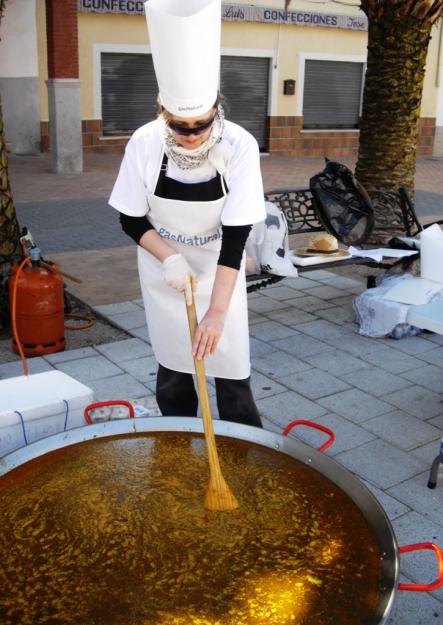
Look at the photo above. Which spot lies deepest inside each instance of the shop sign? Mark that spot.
(241, 13)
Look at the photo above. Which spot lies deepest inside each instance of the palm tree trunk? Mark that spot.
(9, 229)
(397, 48)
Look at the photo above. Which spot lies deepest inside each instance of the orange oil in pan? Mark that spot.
(114, 532)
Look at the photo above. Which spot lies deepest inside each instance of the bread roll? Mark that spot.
(323, 242)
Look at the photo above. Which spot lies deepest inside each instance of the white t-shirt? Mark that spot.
(140, 166)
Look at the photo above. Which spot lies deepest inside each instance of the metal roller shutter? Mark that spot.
(129, 92)
(245, 85)
(332, 94)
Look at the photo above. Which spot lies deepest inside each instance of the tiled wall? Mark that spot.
(93, 139)
(286, 138)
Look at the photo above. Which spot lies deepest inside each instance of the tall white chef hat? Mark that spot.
(185, 44)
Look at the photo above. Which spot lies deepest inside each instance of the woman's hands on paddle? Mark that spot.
(207, 334)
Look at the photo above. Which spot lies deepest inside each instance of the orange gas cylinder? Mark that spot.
(39, 308)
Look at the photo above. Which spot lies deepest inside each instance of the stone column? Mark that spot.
(65, 130)
(19, 85)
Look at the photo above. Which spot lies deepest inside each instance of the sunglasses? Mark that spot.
(187, 132)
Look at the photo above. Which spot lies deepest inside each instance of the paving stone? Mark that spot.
(108, 310)
(419, 566)
(256, 294)
(392, 360)
(402, 430)
(302, 283)
(263, 386)
(314, 383)
(270, 426)
(129, 320)
(285, 407)
(264, 304)
(323, 330)
(429, 376)
(338, 314)
(374, 381)
(308, 303)
(290, 316)
(142, 369)
(139, 302)
(15, 368)
(390, 505)
(434, 338)
(428, 452)
(416, 400)
(381, 463)
(433, 356)
(87, 369)
(301, 345)
(271, 331)
(345, 301)
(117, 387)
(347, 435)
(254, 317)
(326, 292)
(437, 421)
(416, 494)
(260, 348)
(411, 608)
(125, 350)
(278, 363)
(336, 362)
(355, 344)
(355, 405)
(413, 345)
(321, 275)
(346, 284)
(281, 293)
(141, 333)
(71, 354)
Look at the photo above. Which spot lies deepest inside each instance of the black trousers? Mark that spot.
(176, 396)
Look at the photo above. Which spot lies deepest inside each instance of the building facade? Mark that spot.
(294, 80)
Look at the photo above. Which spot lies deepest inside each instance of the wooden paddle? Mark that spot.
(218, 494)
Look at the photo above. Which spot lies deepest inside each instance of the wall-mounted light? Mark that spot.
(289, 86)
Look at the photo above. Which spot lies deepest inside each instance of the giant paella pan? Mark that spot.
(105, 524)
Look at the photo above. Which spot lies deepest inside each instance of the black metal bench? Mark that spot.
(298, 207)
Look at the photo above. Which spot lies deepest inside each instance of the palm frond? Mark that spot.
(423, 10)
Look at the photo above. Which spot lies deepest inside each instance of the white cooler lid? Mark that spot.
(41, 394)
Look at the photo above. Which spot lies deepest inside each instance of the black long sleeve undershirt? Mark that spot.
(233, 238)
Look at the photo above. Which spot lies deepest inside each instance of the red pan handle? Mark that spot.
(433, 585)
(101, 404)
(316, 426)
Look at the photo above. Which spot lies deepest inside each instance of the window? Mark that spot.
(332, 94)
(129, 92)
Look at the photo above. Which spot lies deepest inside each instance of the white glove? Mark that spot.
(180, 276)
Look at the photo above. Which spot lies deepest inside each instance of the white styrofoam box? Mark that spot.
(49, 403)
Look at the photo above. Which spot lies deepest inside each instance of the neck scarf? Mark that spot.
(214, 149)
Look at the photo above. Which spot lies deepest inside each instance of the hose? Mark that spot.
(89, 322)
(13, 316)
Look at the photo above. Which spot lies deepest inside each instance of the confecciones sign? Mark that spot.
(240, 13)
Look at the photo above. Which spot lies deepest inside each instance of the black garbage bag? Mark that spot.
(342, 204)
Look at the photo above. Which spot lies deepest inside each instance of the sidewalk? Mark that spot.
(381, 397)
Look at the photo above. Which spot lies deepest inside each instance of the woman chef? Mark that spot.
(188, 190)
